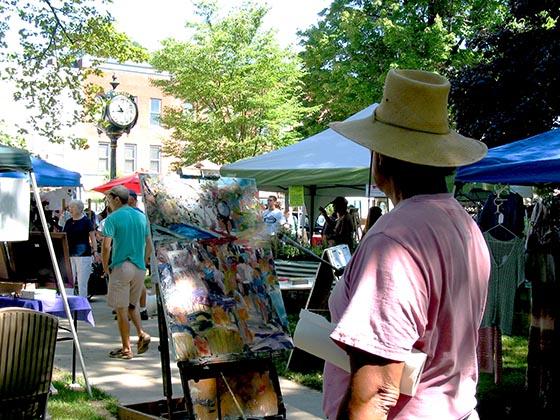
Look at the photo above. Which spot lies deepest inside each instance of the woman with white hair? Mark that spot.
(82, 244)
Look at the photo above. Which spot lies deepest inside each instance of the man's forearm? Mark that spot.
(105, 253)
(148, 251)
(93, 241)
(374, 387)
(374, 406)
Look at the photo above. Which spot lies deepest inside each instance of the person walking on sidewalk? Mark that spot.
(126, 237)
(82, 245)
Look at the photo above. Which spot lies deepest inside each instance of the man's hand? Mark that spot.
(147, 251)
(105, 253)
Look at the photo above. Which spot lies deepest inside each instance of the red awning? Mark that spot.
(132, 182)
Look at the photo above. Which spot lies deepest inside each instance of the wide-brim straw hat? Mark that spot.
(411, 123)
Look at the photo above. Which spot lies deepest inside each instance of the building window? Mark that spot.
(129, 158)
(155, 159)
(155, 111)
(103, 156)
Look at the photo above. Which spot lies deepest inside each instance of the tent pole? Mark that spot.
(312, 192)
(59, 279)
(369, 181)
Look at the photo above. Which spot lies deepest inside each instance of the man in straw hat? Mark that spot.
(418, 280)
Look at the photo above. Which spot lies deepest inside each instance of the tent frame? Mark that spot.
(59, 280)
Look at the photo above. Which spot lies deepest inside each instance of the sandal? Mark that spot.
(120, 354)
(143, 343)
(115, 352)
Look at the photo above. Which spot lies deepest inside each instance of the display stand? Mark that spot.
(218, 311)
(164, 354)
(190, 371)
(334, 260)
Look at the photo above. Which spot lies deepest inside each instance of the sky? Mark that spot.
(149, 22)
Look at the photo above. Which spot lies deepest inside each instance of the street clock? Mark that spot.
(122, 111)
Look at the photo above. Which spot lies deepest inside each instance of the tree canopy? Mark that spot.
(514, 92)
(41, 43)
(348, 52)
(240, 90)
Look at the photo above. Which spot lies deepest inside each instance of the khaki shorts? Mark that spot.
(126, 282)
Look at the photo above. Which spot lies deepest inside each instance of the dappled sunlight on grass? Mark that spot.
(506, 399)
(72, 404)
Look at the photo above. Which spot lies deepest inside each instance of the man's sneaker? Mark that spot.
(144, 315)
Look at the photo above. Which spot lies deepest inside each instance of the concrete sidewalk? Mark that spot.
(139, 380)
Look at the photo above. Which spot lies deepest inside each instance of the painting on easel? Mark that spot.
(205, 209)
(216, 272)
(221, 299)
(247, 395)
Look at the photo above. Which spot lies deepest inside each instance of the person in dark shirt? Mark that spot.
(340, 229)
(374, 213)
(82, 245)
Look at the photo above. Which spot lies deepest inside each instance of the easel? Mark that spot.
(220, 371)
(226, 393)
(334, 259)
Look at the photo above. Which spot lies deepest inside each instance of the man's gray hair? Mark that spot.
(78, 203)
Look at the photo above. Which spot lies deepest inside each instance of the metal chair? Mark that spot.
(27, 346)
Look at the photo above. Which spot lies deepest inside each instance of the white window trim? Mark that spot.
(134, 159)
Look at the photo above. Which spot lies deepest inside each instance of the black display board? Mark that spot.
(318, 302)
(30, 261)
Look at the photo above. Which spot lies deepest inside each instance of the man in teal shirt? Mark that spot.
(127, 240)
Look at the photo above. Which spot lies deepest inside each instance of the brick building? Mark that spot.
(138, 151)
(141, 149)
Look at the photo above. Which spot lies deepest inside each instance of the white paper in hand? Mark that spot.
(313, 332)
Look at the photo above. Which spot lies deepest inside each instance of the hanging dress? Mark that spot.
(543, 270)
(506, 274)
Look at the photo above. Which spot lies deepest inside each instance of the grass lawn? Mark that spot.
(69, 404)
(506, 399)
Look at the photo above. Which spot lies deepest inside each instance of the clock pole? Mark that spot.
(113, 126)
(114, 137)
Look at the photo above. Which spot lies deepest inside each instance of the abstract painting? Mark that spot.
(227, 207)
(221, 299)
(215, 268)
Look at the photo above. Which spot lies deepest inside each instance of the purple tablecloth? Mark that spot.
(79, 306)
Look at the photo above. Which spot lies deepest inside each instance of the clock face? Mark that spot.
(122, 111)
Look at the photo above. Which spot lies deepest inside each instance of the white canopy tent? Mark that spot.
(327, 164)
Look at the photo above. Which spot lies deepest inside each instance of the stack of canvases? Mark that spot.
(218, 283)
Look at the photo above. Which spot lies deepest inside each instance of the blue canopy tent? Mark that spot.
(534, 160)
(49, 175)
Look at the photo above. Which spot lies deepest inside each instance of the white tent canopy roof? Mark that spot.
(325, 159)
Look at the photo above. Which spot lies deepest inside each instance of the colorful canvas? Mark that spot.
(247, 395)
(216, 272)
(221, 299)
(225, 207)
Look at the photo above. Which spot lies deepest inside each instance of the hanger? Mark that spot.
(500, 225)
(498, 201)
